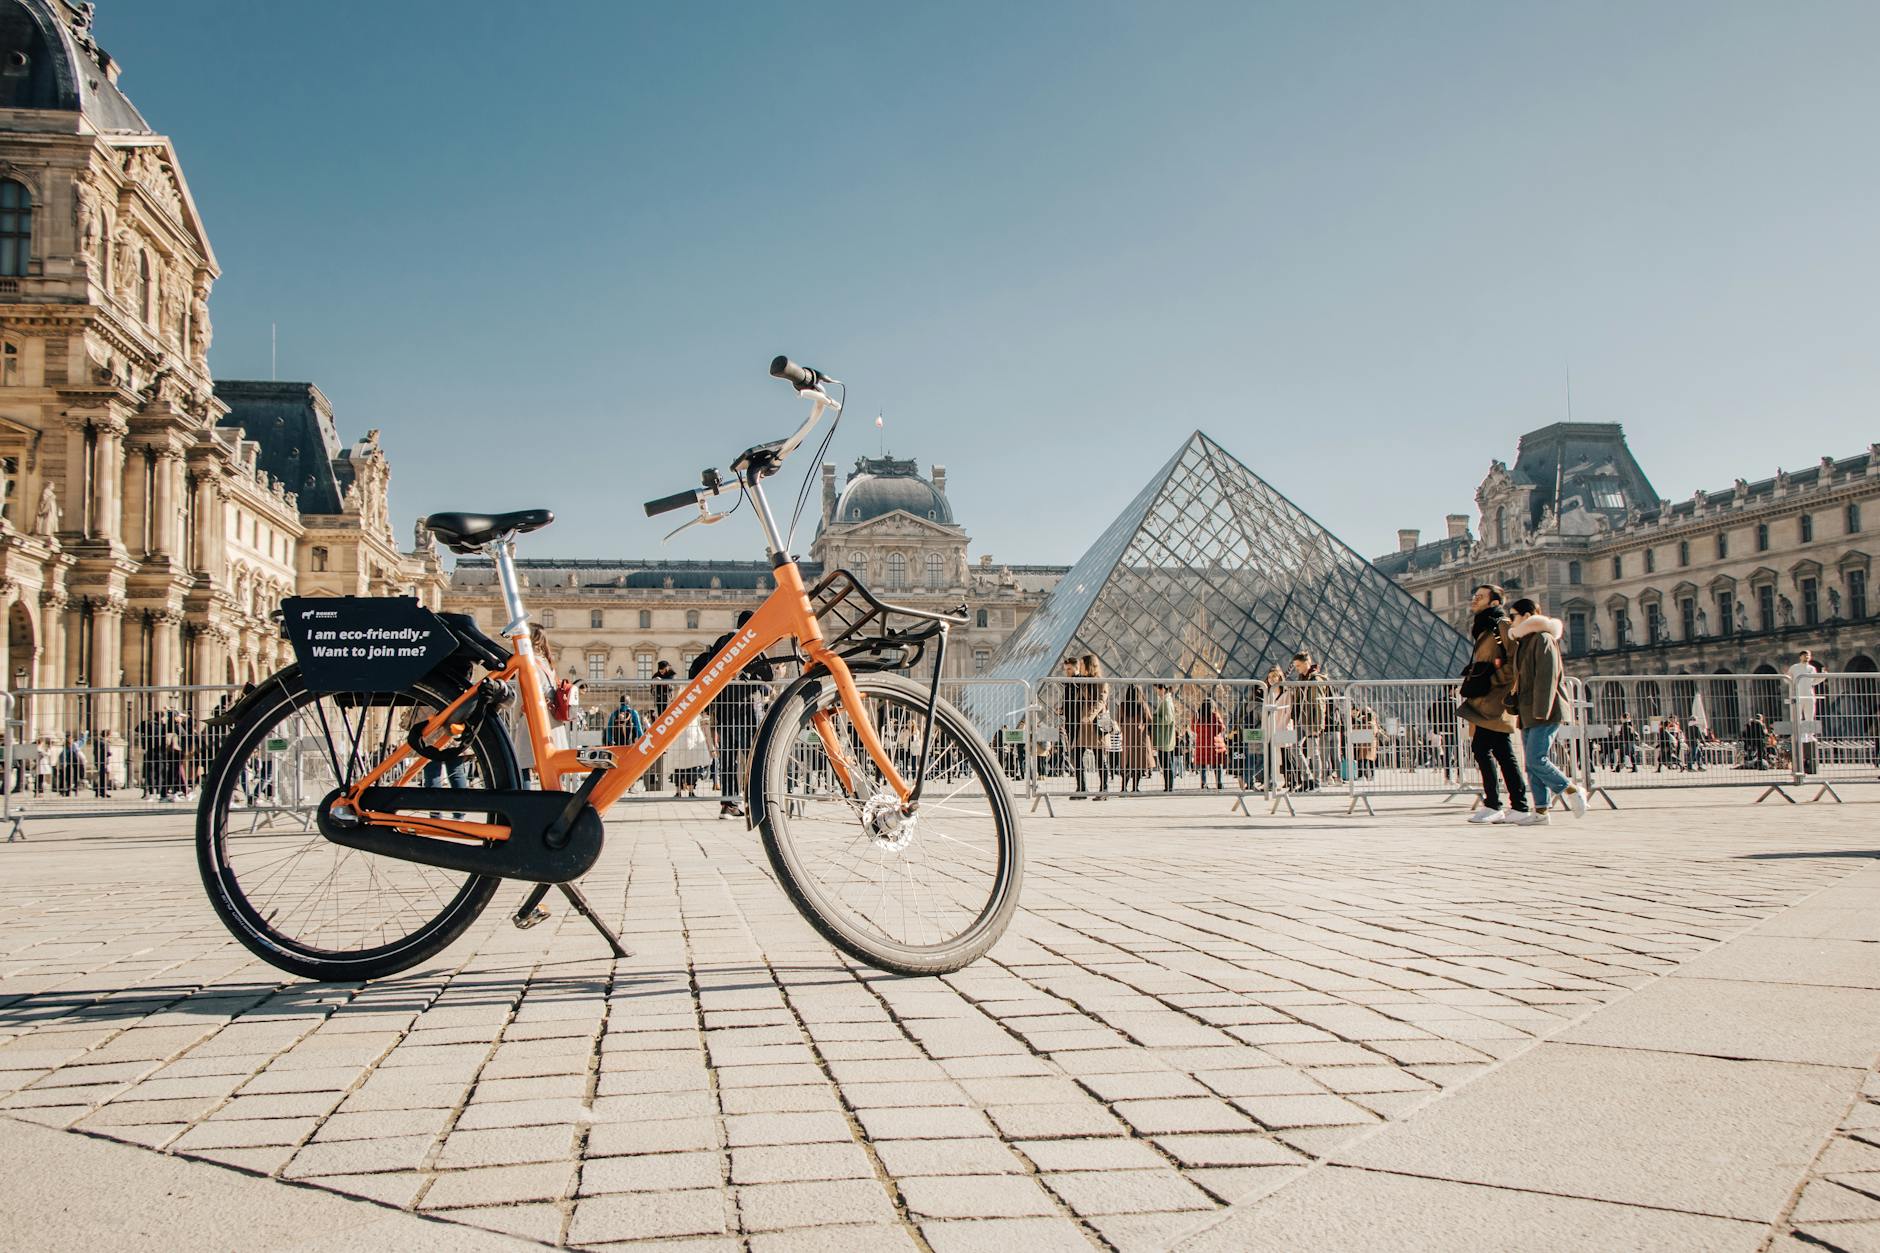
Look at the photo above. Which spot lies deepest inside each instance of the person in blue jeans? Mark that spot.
(1541, 707)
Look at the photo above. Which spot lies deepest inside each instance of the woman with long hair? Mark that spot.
(1132, 721)
(1210, 743)
(1102, 724)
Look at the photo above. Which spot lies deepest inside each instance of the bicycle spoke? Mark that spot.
(304, 891)
(916, 883)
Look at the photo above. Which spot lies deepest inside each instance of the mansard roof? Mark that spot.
(64, 69)
(1581, 465)
(300, 444)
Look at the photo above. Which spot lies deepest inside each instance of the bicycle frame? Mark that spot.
(785, 614)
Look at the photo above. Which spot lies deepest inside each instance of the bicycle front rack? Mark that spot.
(869, 634)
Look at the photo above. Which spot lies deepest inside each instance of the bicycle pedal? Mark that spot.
(525, 921)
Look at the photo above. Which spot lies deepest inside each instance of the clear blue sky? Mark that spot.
(1357, 244)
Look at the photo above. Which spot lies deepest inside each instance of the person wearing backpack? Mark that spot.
(1541, 707)
(1486, 686)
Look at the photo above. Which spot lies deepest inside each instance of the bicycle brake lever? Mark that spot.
(705, 518)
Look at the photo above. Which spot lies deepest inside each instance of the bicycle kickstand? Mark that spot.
(580, 902)
(531, 912)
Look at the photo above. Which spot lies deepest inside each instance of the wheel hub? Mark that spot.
(883, 820)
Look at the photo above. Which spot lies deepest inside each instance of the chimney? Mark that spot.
(1458, 525)
(1407, 540)
(940, 479)
(829, 493)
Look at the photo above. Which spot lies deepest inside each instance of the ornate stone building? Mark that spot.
(140, 542)
(614, 620)
(1724, 582)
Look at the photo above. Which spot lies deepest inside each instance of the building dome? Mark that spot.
(880, 485)
(49, 61)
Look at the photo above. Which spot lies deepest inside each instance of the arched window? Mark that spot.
(936, 571)
(146, 289)
(984, 619)
(858, 564)
(1573, 572)
(897, 570)
(691, 619)
(1501, 526)
(16, 227)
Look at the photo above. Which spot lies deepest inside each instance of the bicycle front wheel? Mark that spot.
(925, 893)
(295, 898)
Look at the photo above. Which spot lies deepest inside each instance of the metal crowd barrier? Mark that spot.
(1690, 731)
(81, 752)
(1838, 716)
(109, 751)
(1095, 739)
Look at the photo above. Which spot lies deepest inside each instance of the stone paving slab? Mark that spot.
(1686, 1100)
(1190, 1009)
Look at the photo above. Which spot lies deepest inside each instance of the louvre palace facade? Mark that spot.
(1733, 581)
(889, 525)
(147, 529)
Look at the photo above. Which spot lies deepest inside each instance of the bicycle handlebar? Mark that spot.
(764, 459)
(678, 500)
(801, 377)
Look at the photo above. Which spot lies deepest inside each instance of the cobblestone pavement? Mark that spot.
(1189, 1009)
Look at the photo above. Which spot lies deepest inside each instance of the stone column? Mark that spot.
(72, 493)
(73, 675)
(107, 640)
(131, 648)
(163, 525)
(206, 505)
(107, 479)
(51, 638)
(9, 592)
(165, 650)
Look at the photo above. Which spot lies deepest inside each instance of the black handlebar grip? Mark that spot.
(666, 504)
(798, 376)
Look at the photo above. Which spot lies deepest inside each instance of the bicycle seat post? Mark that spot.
(505, 556)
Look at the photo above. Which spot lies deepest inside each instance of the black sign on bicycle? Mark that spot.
(364, 644)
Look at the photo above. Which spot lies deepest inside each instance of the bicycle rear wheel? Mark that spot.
(295, 898)
(926, 893)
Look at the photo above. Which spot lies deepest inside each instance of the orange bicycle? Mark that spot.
(367, 800)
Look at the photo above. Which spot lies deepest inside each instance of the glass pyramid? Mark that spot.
(1210, 573)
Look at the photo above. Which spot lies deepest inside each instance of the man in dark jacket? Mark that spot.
(734, 717)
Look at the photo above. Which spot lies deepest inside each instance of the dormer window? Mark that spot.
(1608, 496)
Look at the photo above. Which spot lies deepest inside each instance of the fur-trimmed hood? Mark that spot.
(1534, 624)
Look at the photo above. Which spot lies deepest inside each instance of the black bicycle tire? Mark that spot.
(987, 930)
(218, 791)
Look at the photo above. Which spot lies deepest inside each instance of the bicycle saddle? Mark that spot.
(466, 532)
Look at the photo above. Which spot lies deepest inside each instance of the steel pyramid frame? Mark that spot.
(1211, 573)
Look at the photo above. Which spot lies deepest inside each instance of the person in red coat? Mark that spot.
(1210, 735)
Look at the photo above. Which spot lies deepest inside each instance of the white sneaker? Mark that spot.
(1482, 816)
(1576, 800)
(1530, 818)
